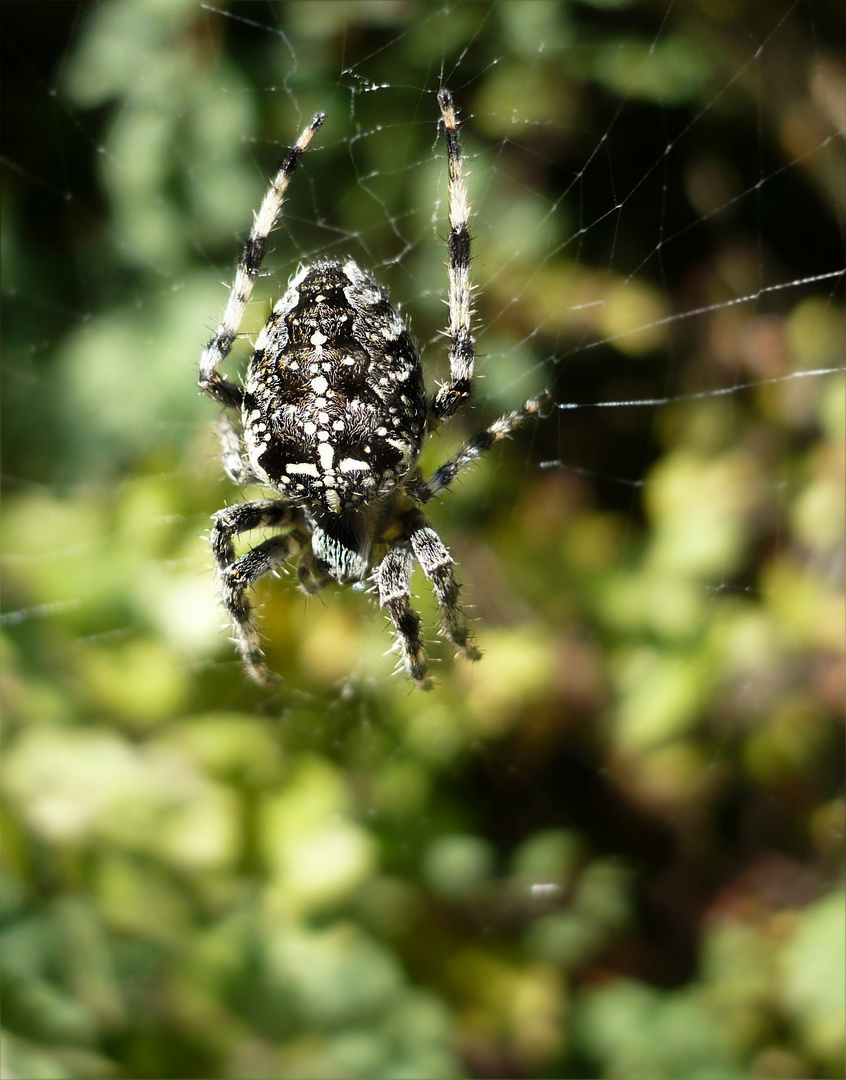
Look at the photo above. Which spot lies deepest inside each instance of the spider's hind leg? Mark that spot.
(437, 564)
(236, 576)
(392, 578)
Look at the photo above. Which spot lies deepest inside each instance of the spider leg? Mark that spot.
(392, 578)
(437, 565)
(462, 351)
(423, 491)
(222, 390)
(236, 576)
(235, 465)
(309, 578)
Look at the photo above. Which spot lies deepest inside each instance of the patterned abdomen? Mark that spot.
(335, 407)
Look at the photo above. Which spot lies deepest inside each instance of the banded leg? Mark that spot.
(424, 490)
(393, 583)
(462, 345)
(234, 582)
(235, 465)
(437, 565)
(236, 576)
(222, 390)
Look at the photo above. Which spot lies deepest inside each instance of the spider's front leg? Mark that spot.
(236, 576)
(462, 345)
(211, 381)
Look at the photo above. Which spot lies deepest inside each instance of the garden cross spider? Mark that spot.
(334, 415)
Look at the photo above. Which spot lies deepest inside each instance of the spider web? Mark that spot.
(658, 241)
(574, 293)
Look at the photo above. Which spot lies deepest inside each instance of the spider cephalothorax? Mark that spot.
(334, 415)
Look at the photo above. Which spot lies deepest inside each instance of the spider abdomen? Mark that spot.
(334, 407)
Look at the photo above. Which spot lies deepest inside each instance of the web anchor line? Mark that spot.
(707, 309)
(701, 394)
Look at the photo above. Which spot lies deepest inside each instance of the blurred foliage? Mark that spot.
(613, 847)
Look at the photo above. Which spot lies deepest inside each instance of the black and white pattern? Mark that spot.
(333, 417)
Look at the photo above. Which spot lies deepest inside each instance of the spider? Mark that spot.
(333, 417)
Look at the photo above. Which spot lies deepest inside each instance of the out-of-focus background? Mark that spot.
(613, 847)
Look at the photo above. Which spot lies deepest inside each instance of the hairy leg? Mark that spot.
(425, 490)
(438, 566)
(392, 579)
(462, 345)
(236, 576)
(222, 390)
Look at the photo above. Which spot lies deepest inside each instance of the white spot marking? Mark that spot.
(304, 467)
(326, 455)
